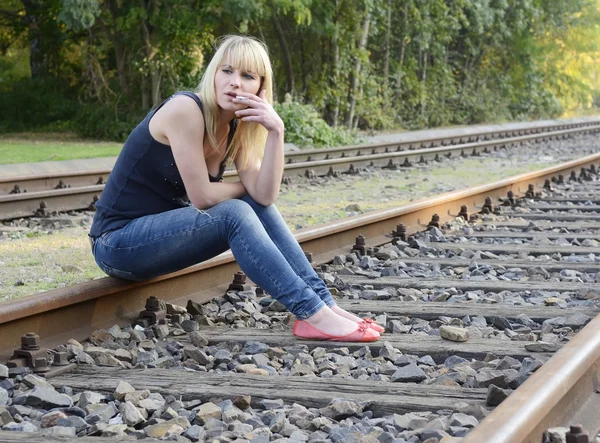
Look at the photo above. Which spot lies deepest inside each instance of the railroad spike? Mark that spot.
(152, 314)
(422, 161)
(464, 212)
(239, 282)
(434, 222)
(548, 185)
(360, 246)
(30, 355)
(100, 180)
(406, 163)
(16, 190)
(42, 211)
(573, 176)
(530, 191)
(92, 206)
(576, 434)
(400, 232)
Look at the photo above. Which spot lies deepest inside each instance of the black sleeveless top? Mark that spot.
(145, 179)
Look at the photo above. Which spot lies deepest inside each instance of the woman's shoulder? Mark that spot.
(184, 104)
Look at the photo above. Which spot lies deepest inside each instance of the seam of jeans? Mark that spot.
(170, 234)
(306, 313)
(257, 264)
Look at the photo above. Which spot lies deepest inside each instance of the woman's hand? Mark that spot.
(259, 110)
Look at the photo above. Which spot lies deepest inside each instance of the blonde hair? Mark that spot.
(248, 54)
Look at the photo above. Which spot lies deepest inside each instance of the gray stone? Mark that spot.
(122, 389)
(577, 320)
(558, 434)
(454, 360)
(102, 413)
(409, 373)
(501, 323)
(409, 421)
(198, 339)
(339, 409)
(486, 378)
(269, 404)
(529, 365)
(254, 347)
(25, 426)
(62, 431)
(52, 418)
(541, 346)
(195, 433)
(196, 354)
(47, 398)
(33, 381)
(190, 325)
(3, 372)
(3, 397)
(454, 333)
(207, 411)
(496, 395)
(463, 420)
(131, 415)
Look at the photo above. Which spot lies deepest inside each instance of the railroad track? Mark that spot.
(50, 193)
(429, 288)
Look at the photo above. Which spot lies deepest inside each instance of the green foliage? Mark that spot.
(424, 63)
(79, 14)
(105, 122)
(36, 104)
(305, 128)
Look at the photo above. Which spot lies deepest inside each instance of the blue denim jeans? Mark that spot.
(260, 240)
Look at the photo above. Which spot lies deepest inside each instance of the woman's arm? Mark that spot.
(262, 180)
(182, 124)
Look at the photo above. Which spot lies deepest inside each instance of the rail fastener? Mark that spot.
(153, 313)
(30, 355)
(239, 283)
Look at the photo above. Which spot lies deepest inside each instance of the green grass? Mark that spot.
(30, 148)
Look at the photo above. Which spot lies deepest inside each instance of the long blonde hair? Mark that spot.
(248, 54)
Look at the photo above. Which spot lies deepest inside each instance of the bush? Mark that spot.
(36, 104)
(305, 128)
(105, 122)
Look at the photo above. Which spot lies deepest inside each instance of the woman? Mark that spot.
(165, 208)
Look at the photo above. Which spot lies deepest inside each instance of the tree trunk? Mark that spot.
(155, 75)
(287, 58)
(332, 109)
(403, 45)
(386, 57)
(356, 71)
(116, 38)
(38, 57)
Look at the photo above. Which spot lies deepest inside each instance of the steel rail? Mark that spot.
(562, 392)
(94, 176)
(25, 204)
(75, 311)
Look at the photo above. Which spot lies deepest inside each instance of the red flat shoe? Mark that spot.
(303, 329)
(374, 325)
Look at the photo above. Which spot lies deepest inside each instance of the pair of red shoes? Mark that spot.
(367, 331)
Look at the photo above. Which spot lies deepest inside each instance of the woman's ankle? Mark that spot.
(343, 313)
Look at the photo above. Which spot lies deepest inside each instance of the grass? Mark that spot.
(31, 148)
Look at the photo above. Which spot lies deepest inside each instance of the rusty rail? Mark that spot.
(78, 198)
(78, 310)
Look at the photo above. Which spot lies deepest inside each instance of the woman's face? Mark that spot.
(230, 81)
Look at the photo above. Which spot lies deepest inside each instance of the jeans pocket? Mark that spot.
(125, 275)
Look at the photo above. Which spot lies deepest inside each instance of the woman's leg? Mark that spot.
(283, 238)
(163, 243)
